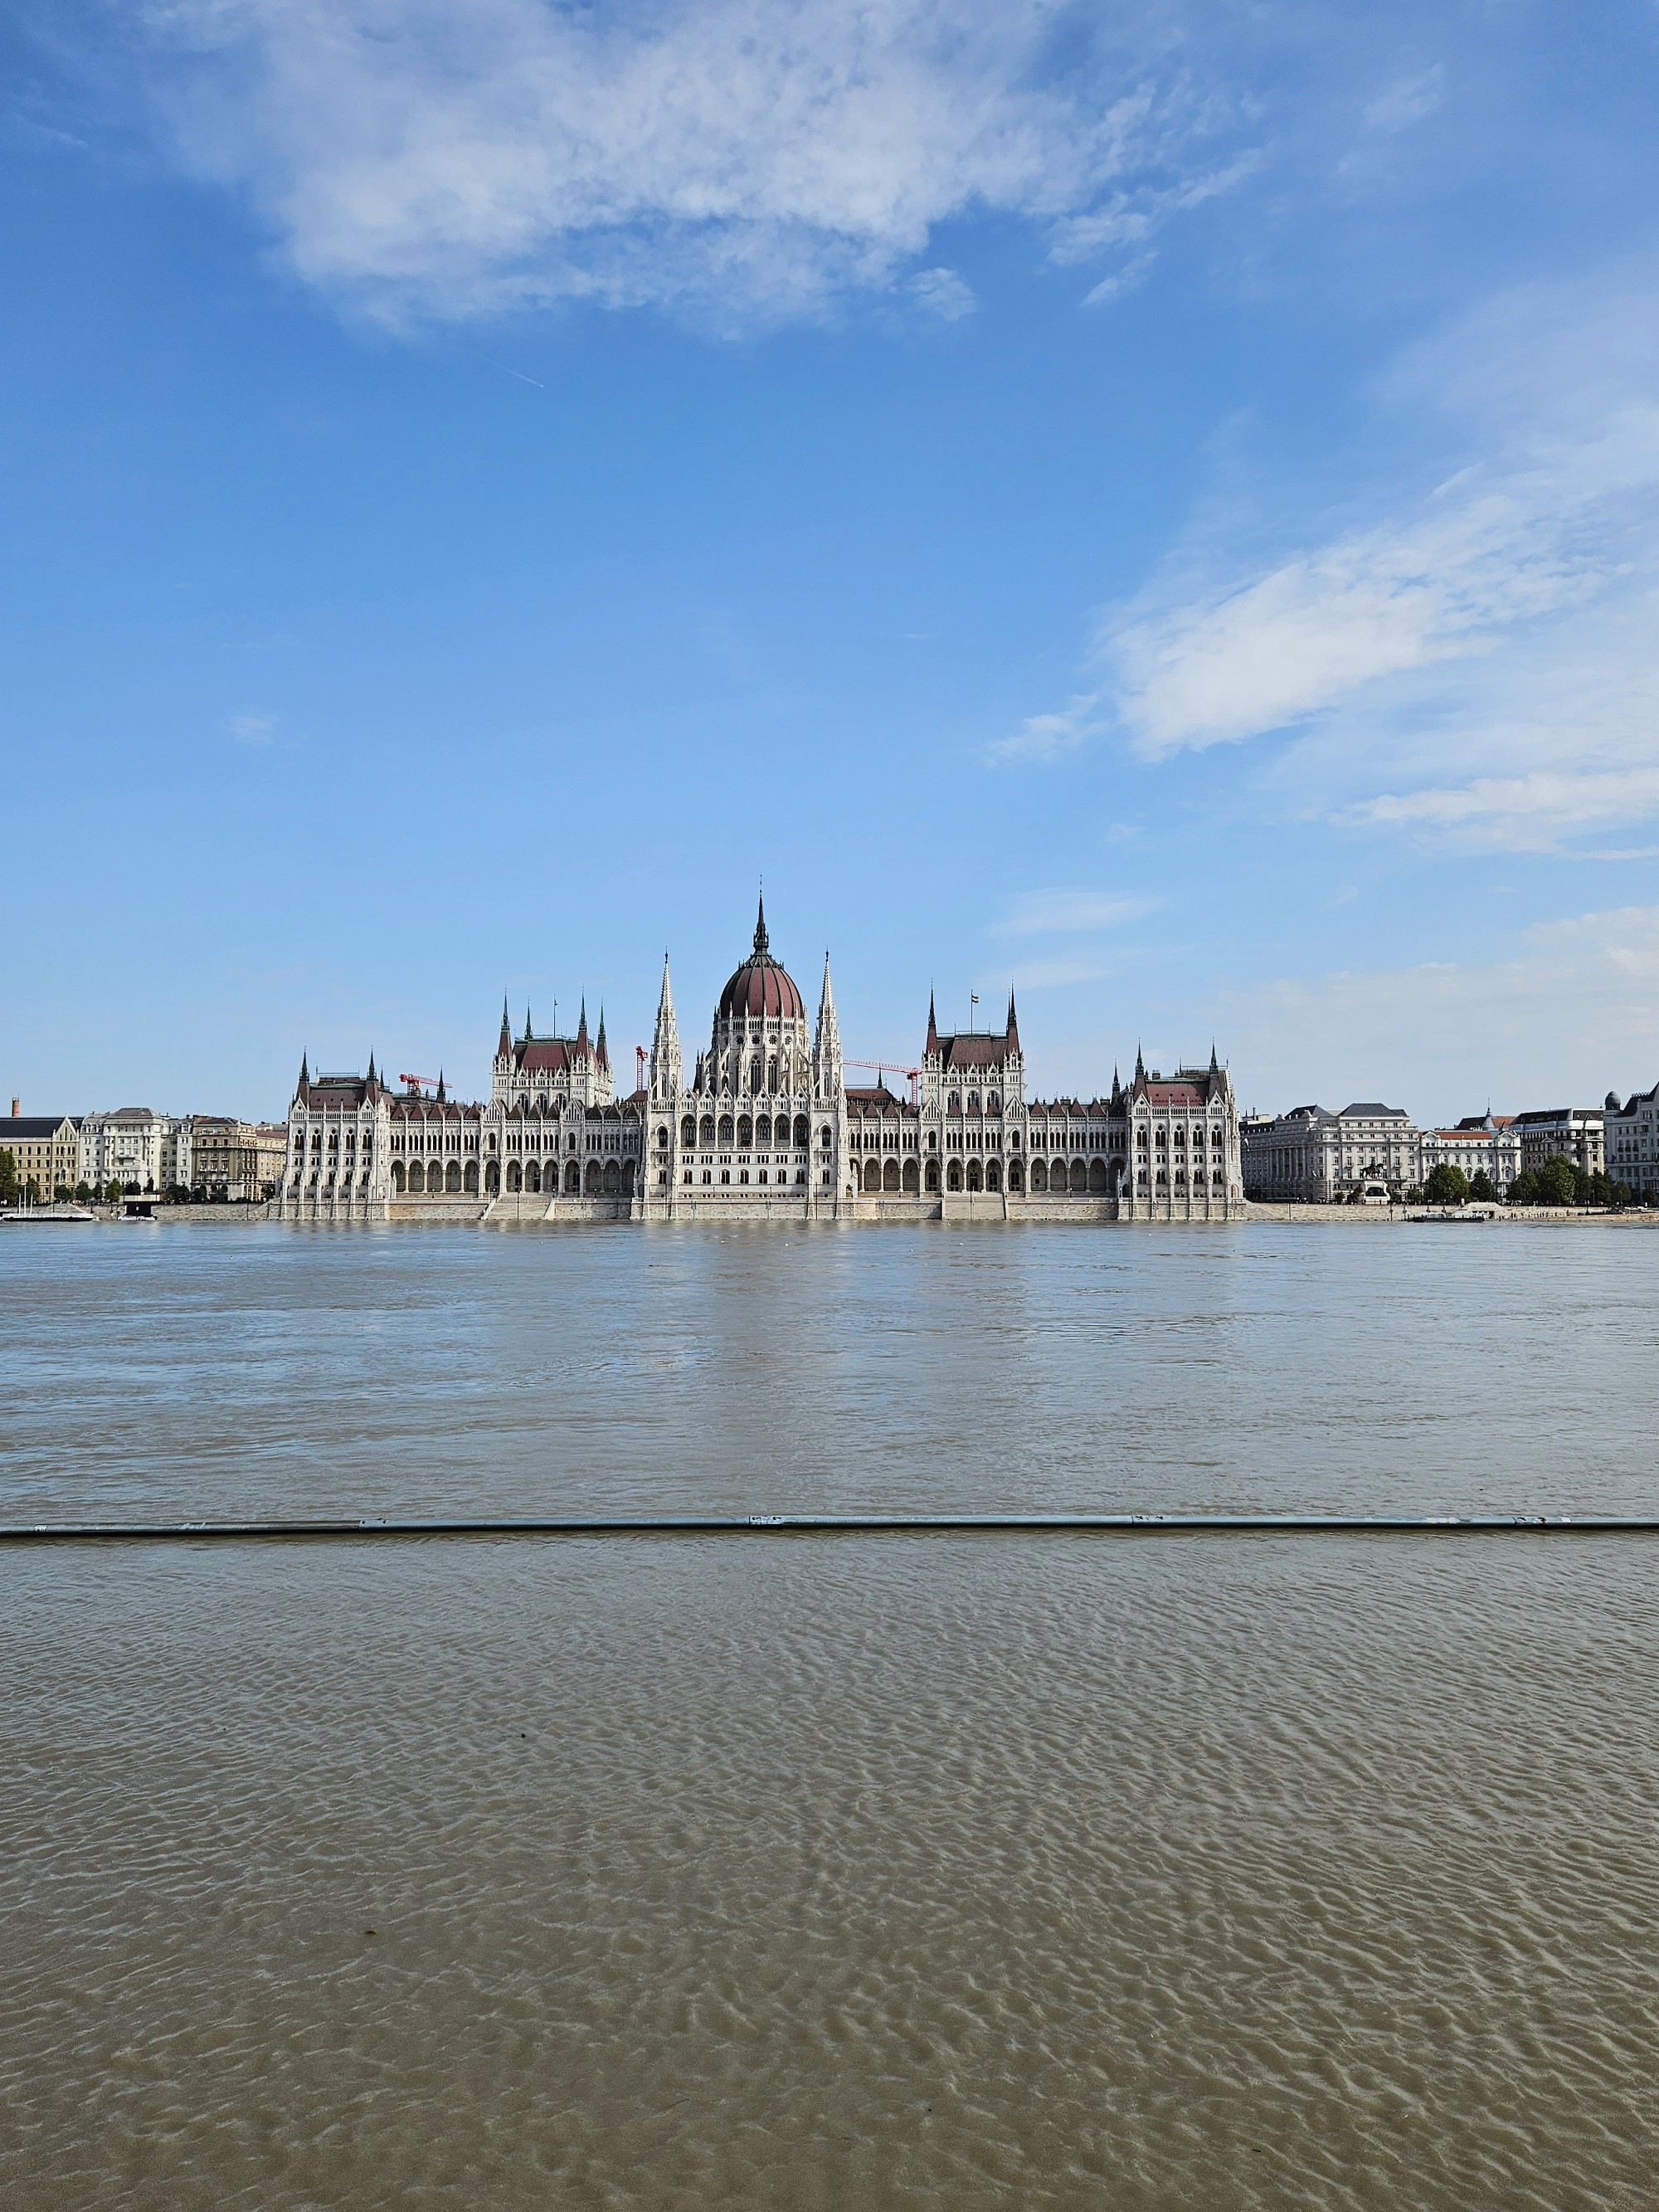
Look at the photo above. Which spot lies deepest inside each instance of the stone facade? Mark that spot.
(764, 1127)
(1567, 1133)
(45, 1149)
(1630, 1141)
(137, 1147)
(234, 1161)
(1481, 1143)
(1311, 1157)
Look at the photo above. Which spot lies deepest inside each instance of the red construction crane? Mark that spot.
(891, 1067)
(420, 1082)
(638, 1067)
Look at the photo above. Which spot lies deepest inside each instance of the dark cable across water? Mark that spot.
(845, 1524)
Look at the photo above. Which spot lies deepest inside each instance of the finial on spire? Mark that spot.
(528, 1032)
(933, 1023)
(760, 937)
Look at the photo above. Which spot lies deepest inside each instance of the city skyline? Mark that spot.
(1161, 514)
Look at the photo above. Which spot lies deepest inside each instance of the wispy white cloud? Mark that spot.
(944, 293)
(1477, 659)
(252, 729)
(1061, 913)
(729, 158)
(1045, 737)
(1120, 281)
(1533, 812)
(1408, 100)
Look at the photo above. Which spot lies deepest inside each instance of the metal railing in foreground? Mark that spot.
(843, 1524)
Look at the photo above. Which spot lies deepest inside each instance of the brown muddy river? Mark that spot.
(830, 1871)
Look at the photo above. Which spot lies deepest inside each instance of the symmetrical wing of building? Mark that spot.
(762, 1124)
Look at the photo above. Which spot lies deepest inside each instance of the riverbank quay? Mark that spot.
(515, 1213)
(1416, 1216)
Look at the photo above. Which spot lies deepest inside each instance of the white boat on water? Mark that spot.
(42, 1214)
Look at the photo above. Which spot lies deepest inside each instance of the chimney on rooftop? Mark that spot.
(17, 1109)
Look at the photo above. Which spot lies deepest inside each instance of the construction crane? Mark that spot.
(638, 1067)
(912, 1075)
(419, 1083)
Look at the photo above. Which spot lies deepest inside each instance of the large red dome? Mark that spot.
(761, 986)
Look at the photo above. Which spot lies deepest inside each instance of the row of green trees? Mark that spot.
(1557, 1182)
(26, 1191)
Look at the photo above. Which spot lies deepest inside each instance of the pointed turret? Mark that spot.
(667, 1070)
(761, 939)
(442, 1094)
(826, 1042)
(1014, 1023)
(932, 1026)
(528, 1032)
(1215, 1065)
(302, 1089)
(581, 1027)
(600, 1055)
(504, 1043)
(371, 1071)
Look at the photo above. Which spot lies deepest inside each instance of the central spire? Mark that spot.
(760, 940)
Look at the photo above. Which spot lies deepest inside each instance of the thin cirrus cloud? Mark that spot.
(252, 729)
(1497, 623)
(730, 157)
(1070, 912)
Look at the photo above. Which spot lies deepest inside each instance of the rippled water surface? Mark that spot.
(830, 1871)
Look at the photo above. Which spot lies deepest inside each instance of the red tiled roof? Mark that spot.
(979, 1048)
(536, 1055)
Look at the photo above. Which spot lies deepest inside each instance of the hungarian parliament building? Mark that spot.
(764, 1127)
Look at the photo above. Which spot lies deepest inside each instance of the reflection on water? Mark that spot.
(227, 1371)
(824, 1871)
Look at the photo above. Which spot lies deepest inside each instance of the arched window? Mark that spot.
(993, 1103)
(824, 1136)
(763, 1129)
(706, 1130)
(725, 1128)
(973, 1102)
(745, 1134)
(754, 1078)
(688, 1133)
(772, 1073)
(955, 1102)
(801, 1130)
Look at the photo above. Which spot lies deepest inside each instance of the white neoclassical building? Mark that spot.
(763, 1126)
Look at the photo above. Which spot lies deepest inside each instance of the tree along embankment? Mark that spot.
(1495, 1217)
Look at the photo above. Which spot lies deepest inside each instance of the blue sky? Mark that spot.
(1158, 503)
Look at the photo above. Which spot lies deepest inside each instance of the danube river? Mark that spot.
(830, 1871)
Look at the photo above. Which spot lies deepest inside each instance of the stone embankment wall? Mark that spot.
(1495, 1217)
